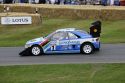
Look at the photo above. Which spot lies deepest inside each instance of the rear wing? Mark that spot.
(95, 29)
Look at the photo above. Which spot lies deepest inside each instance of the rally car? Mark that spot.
(67, 40)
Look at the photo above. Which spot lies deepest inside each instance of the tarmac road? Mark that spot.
(109, 53)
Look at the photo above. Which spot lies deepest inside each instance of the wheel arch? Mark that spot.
(87, 42)
(38, 46)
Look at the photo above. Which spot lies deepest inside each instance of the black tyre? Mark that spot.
(87, 48)
(36, 50)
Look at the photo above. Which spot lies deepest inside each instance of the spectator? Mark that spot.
(52, 1)
(1, 1)
(104, 2)
(8, 1)
(47, 1)
(62, 2)
(82, 2)
(111, 2)
(42, 1)
(57, 1)
(35, 1)
(67, 1)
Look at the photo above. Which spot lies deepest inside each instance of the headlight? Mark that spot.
(27, 45)
(33, 40)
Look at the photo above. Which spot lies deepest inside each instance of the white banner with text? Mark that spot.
(16, 20)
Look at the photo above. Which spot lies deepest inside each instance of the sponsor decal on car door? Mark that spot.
(59, 42)
(74, 43)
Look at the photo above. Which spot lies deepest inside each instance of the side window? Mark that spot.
(58, 36)
(72, 36)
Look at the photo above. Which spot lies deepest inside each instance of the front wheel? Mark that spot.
(87, 48)
(36, 50)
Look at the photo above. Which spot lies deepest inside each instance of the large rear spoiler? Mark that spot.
(95, 29)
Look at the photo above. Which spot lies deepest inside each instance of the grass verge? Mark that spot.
(65, 73)
(10, 35)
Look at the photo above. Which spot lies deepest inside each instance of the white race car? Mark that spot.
(68, 40)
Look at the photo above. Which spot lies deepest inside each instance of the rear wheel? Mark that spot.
(87, 48)
(36, 50)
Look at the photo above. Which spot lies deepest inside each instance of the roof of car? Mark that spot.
(66, 29)
(81, 33)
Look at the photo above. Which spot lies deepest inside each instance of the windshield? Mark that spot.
(49, 36)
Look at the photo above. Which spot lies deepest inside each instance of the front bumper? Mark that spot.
(28, 46)
(25, 52)
(96, 45)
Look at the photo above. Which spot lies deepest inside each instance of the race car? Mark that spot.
(67, 40)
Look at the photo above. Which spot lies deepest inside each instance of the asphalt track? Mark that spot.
(109, 53)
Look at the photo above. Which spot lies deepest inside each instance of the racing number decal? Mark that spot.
(53, 47)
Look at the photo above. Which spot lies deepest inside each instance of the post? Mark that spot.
(4, 8)
(7, 9)
(36, 10)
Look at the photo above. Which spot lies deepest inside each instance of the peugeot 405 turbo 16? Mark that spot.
(67, 40)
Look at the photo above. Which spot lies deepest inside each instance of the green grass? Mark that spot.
(65, 73)
(10, 35)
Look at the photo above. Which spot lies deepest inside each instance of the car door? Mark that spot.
(74, 42)
(59, 42)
